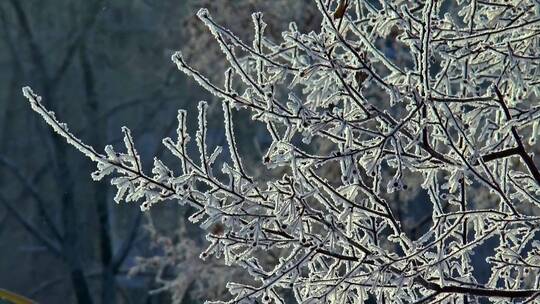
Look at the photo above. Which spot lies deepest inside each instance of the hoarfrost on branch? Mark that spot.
(434, 97)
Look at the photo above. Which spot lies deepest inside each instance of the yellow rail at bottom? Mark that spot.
(13, 298)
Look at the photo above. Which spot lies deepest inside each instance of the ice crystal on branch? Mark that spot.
(435, 98)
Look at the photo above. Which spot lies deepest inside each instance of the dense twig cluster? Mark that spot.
(453, 108)
(277, 13)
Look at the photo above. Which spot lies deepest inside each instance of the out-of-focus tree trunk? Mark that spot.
(62, 173)
(97, 136)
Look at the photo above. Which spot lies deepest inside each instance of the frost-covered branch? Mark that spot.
(431, 98)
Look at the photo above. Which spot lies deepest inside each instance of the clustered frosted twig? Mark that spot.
(457, 109)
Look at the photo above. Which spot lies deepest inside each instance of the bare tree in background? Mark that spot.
(59, 245)
(454, 115)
